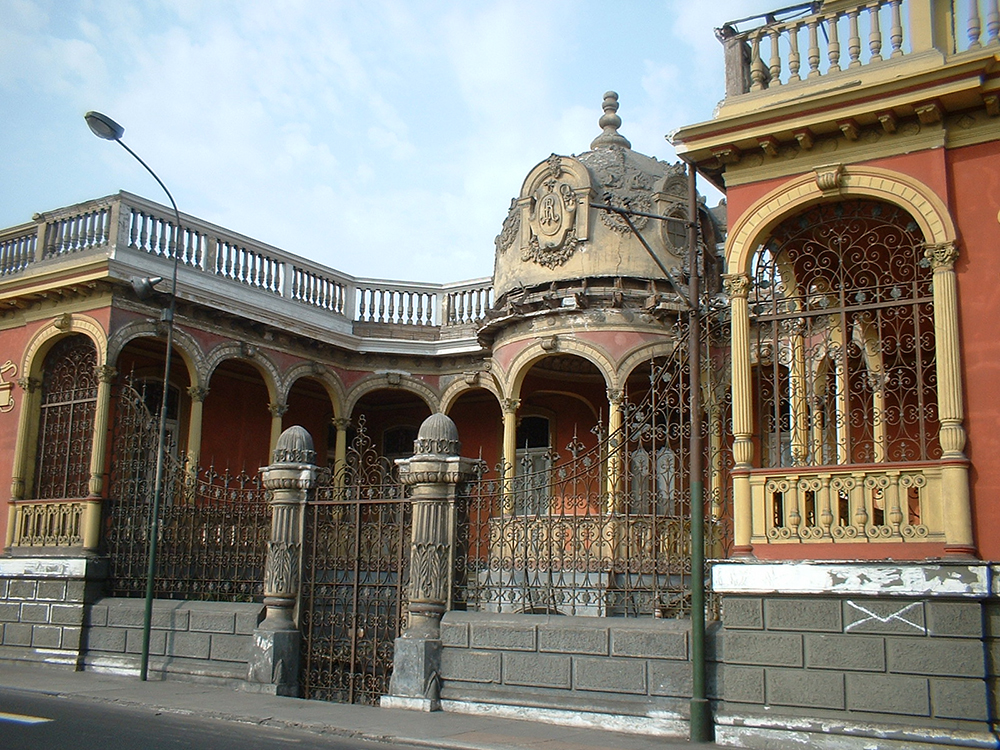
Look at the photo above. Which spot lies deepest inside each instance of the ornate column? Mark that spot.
(340, 449)
(951, 413)
(738, 287)
(277, 412)
(616, 485)
(434, 473)
(198, 394)
(509, 407)
(25, 433)
(273, 665)
(91, 531)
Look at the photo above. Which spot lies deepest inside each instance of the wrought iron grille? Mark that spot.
(843, 337)
(66, 426)
(353, 601)
(214, 526)
(606, 531)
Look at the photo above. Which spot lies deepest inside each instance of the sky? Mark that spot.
(382, 138)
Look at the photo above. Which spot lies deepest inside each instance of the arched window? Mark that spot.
(842, 329)
(66, 424)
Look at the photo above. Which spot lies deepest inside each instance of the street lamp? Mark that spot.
(106, 128)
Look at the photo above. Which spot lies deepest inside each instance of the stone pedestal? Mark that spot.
(434, 473)
(273, 664)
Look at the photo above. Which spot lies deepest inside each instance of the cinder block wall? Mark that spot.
(860, 661)
(637, 670)
(209, 641)
(42, 604)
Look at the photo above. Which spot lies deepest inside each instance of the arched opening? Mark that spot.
(842, 321)
(66, 421)
(309, 406)
(237, 423)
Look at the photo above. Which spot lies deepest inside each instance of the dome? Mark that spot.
(294, 446)
(437, 435)
(558, 231)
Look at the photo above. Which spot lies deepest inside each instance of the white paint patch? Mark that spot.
(887, 579)
(22, 719)
(897, 616)
(40, 567)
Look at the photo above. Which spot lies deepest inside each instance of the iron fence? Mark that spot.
(214, 525)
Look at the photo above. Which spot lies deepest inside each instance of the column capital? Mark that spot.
(941, 255)
(510, 405)
(29, 384)
(277, 410)
(736, 284)
(106, 373)
(197, 392)
(616, 396)
(342, 424)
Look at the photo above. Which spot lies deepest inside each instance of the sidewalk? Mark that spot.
(444, 730)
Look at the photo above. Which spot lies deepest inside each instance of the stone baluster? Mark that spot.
(434, 474)
(775, 67)
(273, 665)
(974, 27)
(794, 60)
(758, 72)
(896, 30)
(853, 39)
(812, 55)
(992, 23)
(875, 36)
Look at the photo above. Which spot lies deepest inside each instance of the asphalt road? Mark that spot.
(35, 721)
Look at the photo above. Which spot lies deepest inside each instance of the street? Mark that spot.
(35, 721)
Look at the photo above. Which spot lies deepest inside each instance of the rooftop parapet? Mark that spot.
(220, 266)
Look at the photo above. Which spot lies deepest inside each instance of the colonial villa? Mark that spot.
(479, 494)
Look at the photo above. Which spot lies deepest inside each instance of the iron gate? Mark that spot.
(355, 571)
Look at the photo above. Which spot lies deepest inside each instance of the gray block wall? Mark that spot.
(616, 666)
(42, 606)
(207, 641)
(863, 661)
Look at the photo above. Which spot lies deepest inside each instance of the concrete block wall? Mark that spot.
(208, 641)
(42, 605)
(859, 661)
(637, 670)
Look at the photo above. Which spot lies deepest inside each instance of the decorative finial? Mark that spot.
(610, 122)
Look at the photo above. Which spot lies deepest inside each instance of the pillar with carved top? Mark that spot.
(615, 476)
(273, 665)
(277, 412)
(341, 424)
(434, 474)
(738, 287)
(509, 406)
(29, 406)
(91, 523)
(198, 394)
(951, 413)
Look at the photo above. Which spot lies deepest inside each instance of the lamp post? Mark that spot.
(104, 127)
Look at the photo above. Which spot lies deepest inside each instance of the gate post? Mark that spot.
(434, 473)
(273, 665)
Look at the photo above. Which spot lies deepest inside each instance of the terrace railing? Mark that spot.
(812, 40)
(128, 222)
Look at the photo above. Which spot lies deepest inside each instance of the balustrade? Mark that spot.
(886, 503)
(869, 31)
(17, 249)
(128, 222)
(49, 524)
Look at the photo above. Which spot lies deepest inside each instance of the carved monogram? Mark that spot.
(552, 219)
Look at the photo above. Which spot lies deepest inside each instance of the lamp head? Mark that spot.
(103, 126)
(144, 286)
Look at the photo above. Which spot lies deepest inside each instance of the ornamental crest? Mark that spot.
(625, 186)
(553, 215)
